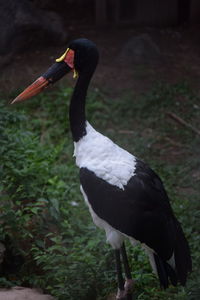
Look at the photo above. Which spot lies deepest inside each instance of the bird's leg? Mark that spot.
(128, 287)
(121, 292)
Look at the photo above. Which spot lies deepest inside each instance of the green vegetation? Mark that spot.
(42, 212)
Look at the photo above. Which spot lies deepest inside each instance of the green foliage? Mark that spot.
(42, 211)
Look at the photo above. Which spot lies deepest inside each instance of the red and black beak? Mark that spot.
(53, 74)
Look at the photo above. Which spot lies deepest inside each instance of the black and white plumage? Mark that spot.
(125, 197)
(128, 200)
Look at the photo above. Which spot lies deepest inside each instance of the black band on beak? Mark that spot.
(56, 71)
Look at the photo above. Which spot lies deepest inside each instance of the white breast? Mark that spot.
(103, 157)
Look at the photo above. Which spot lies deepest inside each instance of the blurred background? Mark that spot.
(144, 95)
(34, 33)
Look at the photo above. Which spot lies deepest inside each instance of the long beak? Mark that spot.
(54, 73)
(35, 88)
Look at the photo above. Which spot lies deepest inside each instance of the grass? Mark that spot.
(43, 217)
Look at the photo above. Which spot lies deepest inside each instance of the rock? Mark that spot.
(21, 293)
(23, 26)
(140, 50)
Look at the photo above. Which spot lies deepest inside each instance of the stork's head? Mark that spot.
(81, 57)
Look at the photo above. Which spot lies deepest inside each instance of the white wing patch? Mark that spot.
(100, 155)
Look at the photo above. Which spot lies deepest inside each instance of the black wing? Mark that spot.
(142, 210)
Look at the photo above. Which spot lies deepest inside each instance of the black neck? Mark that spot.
(77, 107)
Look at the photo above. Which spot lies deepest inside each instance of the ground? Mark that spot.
(179, 47)
(181, 62)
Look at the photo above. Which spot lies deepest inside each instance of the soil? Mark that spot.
(180, 49)
(21, 293)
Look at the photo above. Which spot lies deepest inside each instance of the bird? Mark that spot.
(125, 197)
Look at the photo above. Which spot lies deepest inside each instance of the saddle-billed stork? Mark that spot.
(125, 197)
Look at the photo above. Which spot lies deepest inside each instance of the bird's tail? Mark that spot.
(182, 255)
(182, 261)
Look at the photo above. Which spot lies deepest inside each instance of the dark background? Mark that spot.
(34, 32)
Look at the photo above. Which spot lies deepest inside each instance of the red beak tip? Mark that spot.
(35, 88)
(14, 101)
